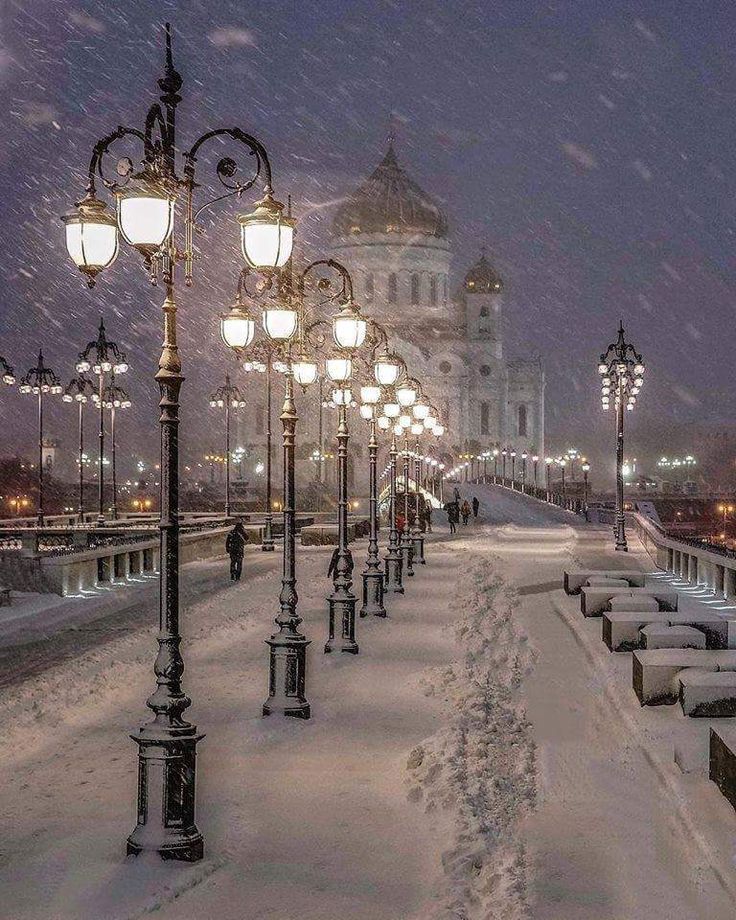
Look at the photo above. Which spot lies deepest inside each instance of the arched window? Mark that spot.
(415, 288)
(433, 290)
(369, 287)
(521, 422)
(484, 418)
(392, 288)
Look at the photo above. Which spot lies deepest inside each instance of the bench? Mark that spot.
(593, 601)
(661, 635)
(707, 693)
(621, 629)
(5, 600)
(573, 581)
(722, 760)
(655, 671)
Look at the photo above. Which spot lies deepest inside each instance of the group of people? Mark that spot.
(457, 509)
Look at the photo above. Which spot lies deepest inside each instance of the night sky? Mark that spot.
(590, 145)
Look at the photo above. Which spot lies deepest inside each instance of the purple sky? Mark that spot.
(589, 145)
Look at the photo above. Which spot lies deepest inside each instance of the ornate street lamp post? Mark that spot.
(495, 453)
(227, 397)
(523, 471)
(535, 461)
(372, 575)
(586, 470)
(80, 390)
(40, 381)
(102, 357)
(621, 369)
(417, 535)
(145, 218)
(504, 452)
(513, 469)
(114, 398)
(548, 461)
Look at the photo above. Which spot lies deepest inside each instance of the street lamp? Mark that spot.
(523, 471)
(145, 205)
(535, 461)
(548, 461)
(622, 374)
(561, 462)
(372, 575)
(114, 398)
(101, 357)
(393, 558)
(586, 470)
(504, 454)
(40, 381)
(80, 390)
(513, 469)
(495, 453)
(227, 397)
(8, 374)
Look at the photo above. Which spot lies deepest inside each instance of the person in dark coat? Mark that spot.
(428, 517)
(453, 515)
(465, 511)
(476, 506)
(235, 547)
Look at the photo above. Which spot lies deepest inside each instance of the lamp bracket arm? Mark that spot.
(102, 147)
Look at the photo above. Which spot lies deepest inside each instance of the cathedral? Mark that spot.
(394, 239)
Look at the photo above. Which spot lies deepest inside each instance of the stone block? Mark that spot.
(662, 635)
(655, 671)
(722, 761)
(593, 601)
(574, 580)
(707, 693)
(622, 603)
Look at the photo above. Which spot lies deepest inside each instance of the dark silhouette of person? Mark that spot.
(235, 547)
(465, 511)
(476, 506)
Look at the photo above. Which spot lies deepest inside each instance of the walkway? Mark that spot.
(483, 757)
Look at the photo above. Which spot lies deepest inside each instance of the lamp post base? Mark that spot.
(342, 611)
(392, 582)
(372, 594)
(418, 549)
(267, 546)
(166, 784)
(407, 559)
(287, 676)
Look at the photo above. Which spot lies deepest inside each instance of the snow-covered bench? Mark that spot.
(660, 635)
(707, 693)
(722, 767)
(655, 671)
(5, 600)
(574, 580)
(593, 601)
(621, 629)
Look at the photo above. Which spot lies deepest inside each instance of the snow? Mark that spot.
(483, 757)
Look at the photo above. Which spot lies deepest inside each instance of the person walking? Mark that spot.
(453, 515)
(428, 517)
(465, 511)
(235, 548)
(476, 506)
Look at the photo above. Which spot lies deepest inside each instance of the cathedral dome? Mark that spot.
(389, 202)
(482, 278)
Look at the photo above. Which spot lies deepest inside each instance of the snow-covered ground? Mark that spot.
(483, 757)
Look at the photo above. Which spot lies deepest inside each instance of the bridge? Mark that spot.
(486, 717)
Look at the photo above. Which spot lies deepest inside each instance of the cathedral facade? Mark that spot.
(394, 240)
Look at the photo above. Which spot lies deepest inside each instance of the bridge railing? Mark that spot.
(573, 504)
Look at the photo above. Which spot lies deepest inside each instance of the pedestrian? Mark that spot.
(465, 511)
(453, 515)
(428, 517)
(456, 493)
(476, 506)
(235, 548)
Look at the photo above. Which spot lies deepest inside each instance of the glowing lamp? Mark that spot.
(266, 235)
(237, 328)
(91, 236)
(279, 323)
